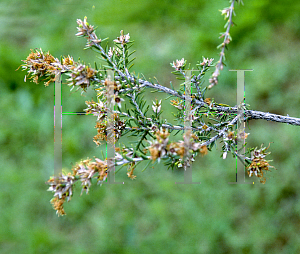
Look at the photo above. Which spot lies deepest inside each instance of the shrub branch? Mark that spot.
(210, 121)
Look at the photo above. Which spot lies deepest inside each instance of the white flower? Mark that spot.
(110, 52)
(123, 39)
(156, 106)
(178, 64)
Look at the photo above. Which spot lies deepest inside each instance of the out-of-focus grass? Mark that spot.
(151, 213)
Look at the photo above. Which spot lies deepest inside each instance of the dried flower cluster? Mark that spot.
(160, 147)
(39, 64)
(85, 171)
(130, 171)
(102, 128)
(81, 77)
(258, 163)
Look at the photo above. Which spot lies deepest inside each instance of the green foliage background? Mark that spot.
(151, 214)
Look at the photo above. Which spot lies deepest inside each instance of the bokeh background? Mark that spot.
(151, 214)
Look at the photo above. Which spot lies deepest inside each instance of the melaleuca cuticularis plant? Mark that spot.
(208, 121)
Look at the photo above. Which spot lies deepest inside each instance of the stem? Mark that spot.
(233, 121)
(124, 62)
(251, 114)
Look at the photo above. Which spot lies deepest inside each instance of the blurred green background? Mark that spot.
(151, 214)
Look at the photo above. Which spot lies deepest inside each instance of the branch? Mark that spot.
(203, 136)
(251, 114)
